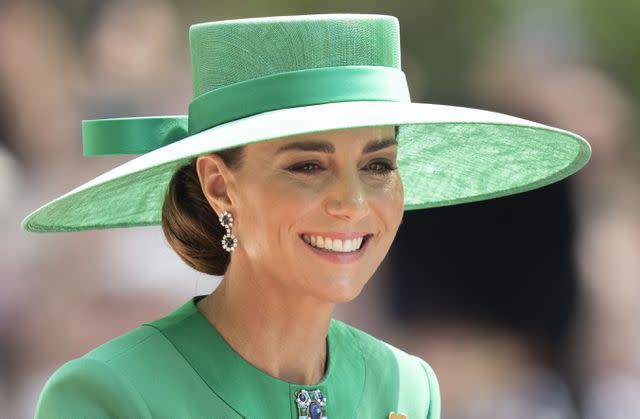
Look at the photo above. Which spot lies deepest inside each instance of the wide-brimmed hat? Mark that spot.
(266, 78)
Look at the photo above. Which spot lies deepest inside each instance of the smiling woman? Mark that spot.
(328, 185)
(190, 223)
(289, 177)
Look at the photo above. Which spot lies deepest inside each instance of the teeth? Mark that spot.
(335, 245)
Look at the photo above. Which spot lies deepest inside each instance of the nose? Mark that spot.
(347, 198)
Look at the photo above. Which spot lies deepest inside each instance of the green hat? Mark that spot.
(265, 78)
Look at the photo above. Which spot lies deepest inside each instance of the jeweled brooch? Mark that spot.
(311, 404)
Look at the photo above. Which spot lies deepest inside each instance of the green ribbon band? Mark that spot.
(277, 91)
(296, 88)
(102, 137)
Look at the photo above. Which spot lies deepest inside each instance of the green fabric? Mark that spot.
(276, 91)
(414, 390)
(441, 162)
(131, 135)
(296, 88)
(227, 52)
(179, 366)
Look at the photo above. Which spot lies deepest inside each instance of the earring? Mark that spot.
(229, 241)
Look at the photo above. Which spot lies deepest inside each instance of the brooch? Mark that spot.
(394, 415)
(311, 404)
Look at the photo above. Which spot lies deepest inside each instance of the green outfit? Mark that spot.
(179, 366)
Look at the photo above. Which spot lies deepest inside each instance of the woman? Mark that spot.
(286, 179)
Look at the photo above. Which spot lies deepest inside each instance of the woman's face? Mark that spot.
(340, 185)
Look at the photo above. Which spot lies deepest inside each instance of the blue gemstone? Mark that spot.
(315, 412)
(302, 397)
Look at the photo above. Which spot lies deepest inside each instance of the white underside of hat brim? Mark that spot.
(306, 119)
(301, 120)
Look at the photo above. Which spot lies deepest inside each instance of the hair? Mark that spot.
(190, 225)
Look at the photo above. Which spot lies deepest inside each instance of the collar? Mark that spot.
(252, 392)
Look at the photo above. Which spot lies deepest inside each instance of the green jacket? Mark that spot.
(180, 367)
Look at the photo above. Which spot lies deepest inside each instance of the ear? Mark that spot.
(215, 179)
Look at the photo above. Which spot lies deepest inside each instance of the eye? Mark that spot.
(381, 167)
(306, 168)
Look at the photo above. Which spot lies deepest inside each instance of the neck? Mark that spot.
(274, 329)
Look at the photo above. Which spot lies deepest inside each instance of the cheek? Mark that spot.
(285, 199)
(389, 204)
(273, 207)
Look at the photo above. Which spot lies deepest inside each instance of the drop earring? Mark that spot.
(229, 241)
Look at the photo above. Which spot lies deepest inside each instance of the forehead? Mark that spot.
(366, 139)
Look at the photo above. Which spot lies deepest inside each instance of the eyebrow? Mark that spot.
(326, 147)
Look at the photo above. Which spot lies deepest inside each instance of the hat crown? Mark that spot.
(231, 51)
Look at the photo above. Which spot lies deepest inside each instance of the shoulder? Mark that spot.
(141, 374)
(410, 377)
(109, 380)
(378, 353)
(93, 385)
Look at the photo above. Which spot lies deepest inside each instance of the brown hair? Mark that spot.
(189, 223)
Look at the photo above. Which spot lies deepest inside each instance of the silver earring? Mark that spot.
(229, 241)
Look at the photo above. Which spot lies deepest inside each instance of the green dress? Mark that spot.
(179, 366)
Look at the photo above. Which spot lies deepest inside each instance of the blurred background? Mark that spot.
(527, 307)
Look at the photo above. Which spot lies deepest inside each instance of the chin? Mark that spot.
(342, 292)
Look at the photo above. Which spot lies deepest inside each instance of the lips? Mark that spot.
(338, 257)
(336, 245)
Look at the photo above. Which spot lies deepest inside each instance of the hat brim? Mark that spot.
(446, 155)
